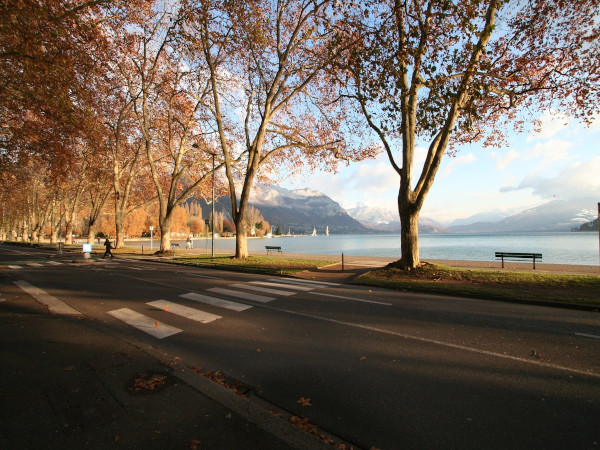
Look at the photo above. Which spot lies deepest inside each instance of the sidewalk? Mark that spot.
(68, 384)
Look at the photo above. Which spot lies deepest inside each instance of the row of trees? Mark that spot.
(115, 104)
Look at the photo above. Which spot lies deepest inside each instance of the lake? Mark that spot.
(556, 248)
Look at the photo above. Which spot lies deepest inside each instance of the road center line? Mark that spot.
(593, 336)
(434, 342)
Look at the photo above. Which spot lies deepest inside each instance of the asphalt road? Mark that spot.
(376, 367)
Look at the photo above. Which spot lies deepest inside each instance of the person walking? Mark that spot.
(108, 246)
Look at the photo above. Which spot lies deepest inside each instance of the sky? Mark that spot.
(560, 162)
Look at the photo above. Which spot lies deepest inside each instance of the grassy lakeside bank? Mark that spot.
(524, 286)
(272, 265)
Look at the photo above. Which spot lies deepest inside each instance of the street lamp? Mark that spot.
(212, 227)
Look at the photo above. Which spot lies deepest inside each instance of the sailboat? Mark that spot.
(314, 233)
(327, 231)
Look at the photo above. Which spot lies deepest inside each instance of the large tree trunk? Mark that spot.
(165, 233)
(91, 232)
(409, 234)
(119, 228)
(241, 237)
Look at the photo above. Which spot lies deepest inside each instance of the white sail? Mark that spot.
(314, 233)
(327, 231)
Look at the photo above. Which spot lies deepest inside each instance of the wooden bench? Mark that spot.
(272, 248)
(518, 256)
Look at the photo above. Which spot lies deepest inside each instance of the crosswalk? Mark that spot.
(24, 265)
(154, 326)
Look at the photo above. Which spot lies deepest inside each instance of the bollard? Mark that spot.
(142, 249)
(342, 262)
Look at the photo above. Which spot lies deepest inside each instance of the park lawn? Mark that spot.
(274, 265)
(525, 286)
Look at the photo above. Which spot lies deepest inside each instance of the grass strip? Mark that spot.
(271, 265)
(493, 283)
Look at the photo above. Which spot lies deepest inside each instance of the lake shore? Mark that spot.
(371, 261)
(366, 262)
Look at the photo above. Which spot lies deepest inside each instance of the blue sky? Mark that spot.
(560, 162)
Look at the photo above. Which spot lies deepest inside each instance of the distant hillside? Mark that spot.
(589, 226)
(557, 215)
(386, 220)
(298, 211)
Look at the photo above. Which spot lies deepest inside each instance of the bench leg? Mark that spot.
(534, 263)
(503, 262)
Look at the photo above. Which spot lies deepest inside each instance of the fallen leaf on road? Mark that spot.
(167, 308)
(194, 444)
(68, 369)
(304, 402)
(156, 324)
(148, 383)
(362, 358)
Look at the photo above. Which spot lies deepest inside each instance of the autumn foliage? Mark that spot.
(117, 114)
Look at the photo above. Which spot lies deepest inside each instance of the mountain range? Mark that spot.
(301, 211)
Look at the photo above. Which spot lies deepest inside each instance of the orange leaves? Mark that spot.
(193, 444)
(147, 383)
(304, 402)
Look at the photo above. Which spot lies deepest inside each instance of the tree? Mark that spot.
(449, 73)
(166, 100)
(270, 103)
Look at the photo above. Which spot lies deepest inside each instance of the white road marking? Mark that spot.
(354, 299)
(55, 306)
(185, 311)
(301, 281)
(144, 323)
(593, 336)
(244, 295)
(15, 267)
(436, 342)
(262, 289)
(35, 264)
(54, 263)
(200, 276)
(284, 285)
(216, 301)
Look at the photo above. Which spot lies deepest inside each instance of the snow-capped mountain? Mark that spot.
(301, 210)
(557, 215)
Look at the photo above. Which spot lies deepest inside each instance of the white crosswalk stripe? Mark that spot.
(14, 267)
(240, 294)
(297, 281)
(214, 301)
(266, 290)
(185, 311)
(55, 306)
(35, 264)
(144, 323)
(283, 285)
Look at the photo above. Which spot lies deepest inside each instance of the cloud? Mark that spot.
(463, 159)
(506, 158)
(552, 122)
(551, 151)
(579, 180)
